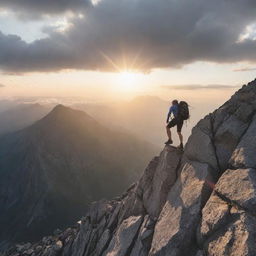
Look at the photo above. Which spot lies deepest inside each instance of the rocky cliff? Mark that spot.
(201, 202)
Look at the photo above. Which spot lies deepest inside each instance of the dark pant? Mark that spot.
(176, 121)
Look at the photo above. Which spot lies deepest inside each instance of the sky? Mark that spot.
(200, 50)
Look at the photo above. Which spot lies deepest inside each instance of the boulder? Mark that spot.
(239, 187)
(215, 215)
(228, 219)
(235, 239)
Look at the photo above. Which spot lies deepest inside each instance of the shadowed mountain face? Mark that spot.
(194, 203)
(51, 170)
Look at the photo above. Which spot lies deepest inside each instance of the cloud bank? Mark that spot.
(134, 34)
(244, 69)
(33, 8)
(192, 87)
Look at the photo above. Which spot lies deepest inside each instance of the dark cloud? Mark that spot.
(141, 34)
(33, 8)
(1, 85)
(199, 87)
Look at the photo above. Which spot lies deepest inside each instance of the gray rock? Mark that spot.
(228, 134)
(164, 177)
(239, 186)
(82, 239)
(214, 216)
(143, 242)
(124, 237)
(199, 146)
(228, 219)
(236, 239)
(102, 242)
(175, 229)
(132, 205)
(244, 154)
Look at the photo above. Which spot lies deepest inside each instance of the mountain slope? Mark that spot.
(51, 170)
(201, 202)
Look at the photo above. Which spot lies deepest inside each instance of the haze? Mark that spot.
(106, 51)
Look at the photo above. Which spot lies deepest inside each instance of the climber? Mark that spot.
(180, 112)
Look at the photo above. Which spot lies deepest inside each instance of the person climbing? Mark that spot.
(180, 112)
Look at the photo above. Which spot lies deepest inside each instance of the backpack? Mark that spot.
(183, 110)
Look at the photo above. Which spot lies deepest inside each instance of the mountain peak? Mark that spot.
(61, 113)
(61, 109)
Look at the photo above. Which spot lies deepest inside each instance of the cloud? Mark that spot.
(1, 85)
(244, 69)
(136, 34)
(33, 8)
(199, 87)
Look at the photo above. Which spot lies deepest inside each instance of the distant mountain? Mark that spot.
(6, 104)
(20, 116)
(143, 116)
(52, 169)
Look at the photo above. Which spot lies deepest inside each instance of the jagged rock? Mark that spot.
(124, 237)
(236, 239)
(175, 228)
(165, 175)
(143, 242)
(214, 216)
(239, 186)
(227, 137)
(81, 241)
(244, 154)
(199, 146)
(102, 243)
(229, 221)
(132, 204)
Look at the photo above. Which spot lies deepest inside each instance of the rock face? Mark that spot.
(196, 203)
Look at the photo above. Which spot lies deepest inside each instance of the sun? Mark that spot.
(128, 81)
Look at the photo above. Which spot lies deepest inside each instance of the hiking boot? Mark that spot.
(180, 146)
(168, 142)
